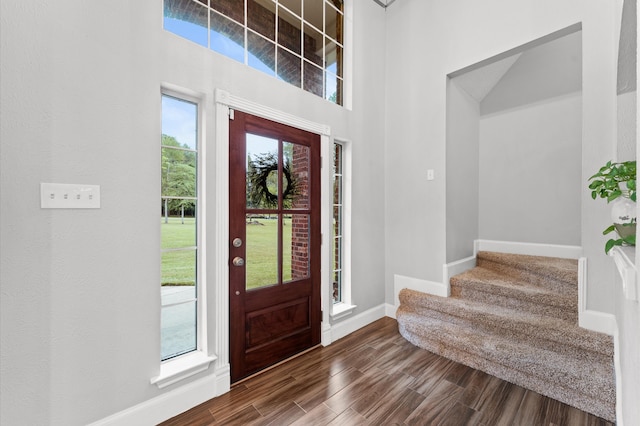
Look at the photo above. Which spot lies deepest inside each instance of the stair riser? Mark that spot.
(513, 300)
(604, 408)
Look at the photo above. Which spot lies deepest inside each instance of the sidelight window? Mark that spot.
(341, 231)
(178, 227)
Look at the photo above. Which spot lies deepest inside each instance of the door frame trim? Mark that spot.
(224, 102)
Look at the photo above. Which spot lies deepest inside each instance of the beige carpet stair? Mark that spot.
(515, 317)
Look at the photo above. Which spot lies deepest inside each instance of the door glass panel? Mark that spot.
(262, 172)
(296, 253)
(296, 176)
(261, 257)
(287, 223)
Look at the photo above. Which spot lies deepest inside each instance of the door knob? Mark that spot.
(237, 242)
(238, 261)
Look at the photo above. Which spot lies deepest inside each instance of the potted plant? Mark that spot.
(616, 182)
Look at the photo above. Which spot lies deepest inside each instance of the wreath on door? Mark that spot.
(262, 182)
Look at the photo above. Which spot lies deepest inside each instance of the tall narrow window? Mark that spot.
(178, 226)
(338, 213)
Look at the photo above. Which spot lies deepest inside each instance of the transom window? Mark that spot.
(297, 41)
(178, 227)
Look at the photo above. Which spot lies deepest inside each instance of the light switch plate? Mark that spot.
(69, 196)
(431, 175)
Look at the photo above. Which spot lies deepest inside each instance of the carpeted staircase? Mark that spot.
(516, 317)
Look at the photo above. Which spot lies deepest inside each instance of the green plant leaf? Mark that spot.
(631, 240)
(609, 230)
(613, 195)
(611, 244)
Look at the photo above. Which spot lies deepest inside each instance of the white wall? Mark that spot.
(429, 40)
(530, 172)
(627, 135)
(80, 84)
(627, 312)
(462, 172)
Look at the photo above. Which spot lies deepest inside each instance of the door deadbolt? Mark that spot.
(237, 242)
(238, 261)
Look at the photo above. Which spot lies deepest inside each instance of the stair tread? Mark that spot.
(518, 321)
(589, 375)
(558, 272)
(498, 283)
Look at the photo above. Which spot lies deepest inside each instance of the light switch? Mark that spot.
(431, 174)
(69, 196)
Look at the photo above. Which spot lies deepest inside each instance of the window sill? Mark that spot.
(180, 368)
(625, 257)
(341, 310)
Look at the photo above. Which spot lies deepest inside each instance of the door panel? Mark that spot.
(274, 188)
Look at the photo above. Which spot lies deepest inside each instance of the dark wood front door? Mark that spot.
(274, 247)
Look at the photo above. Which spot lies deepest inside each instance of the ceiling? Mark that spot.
(541, 71)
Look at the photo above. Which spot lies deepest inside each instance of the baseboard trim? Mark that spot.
(591, 320)
(597, 321)
(348, 326)
(325, 339)
(618, 371)
(170, 404)
(455, 268)
(390, 310)
(531, 249)
(424, 286)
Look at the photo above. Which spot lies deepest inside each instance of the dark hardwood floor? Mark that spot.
(375, 377)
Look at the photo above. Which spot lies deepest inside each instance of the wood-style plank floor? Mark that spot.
(375, 377)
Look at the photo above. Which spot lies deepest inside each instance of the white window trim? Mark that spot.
(179, 368)
(345, 307)
(182, 367)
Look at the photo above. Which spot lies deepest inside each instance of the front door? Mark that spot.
(274, 247)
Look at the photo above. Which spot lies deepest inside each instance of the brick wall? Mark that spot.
(300, 223)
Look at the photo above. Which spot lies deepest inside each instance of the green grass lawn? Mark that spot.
(261, 252)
